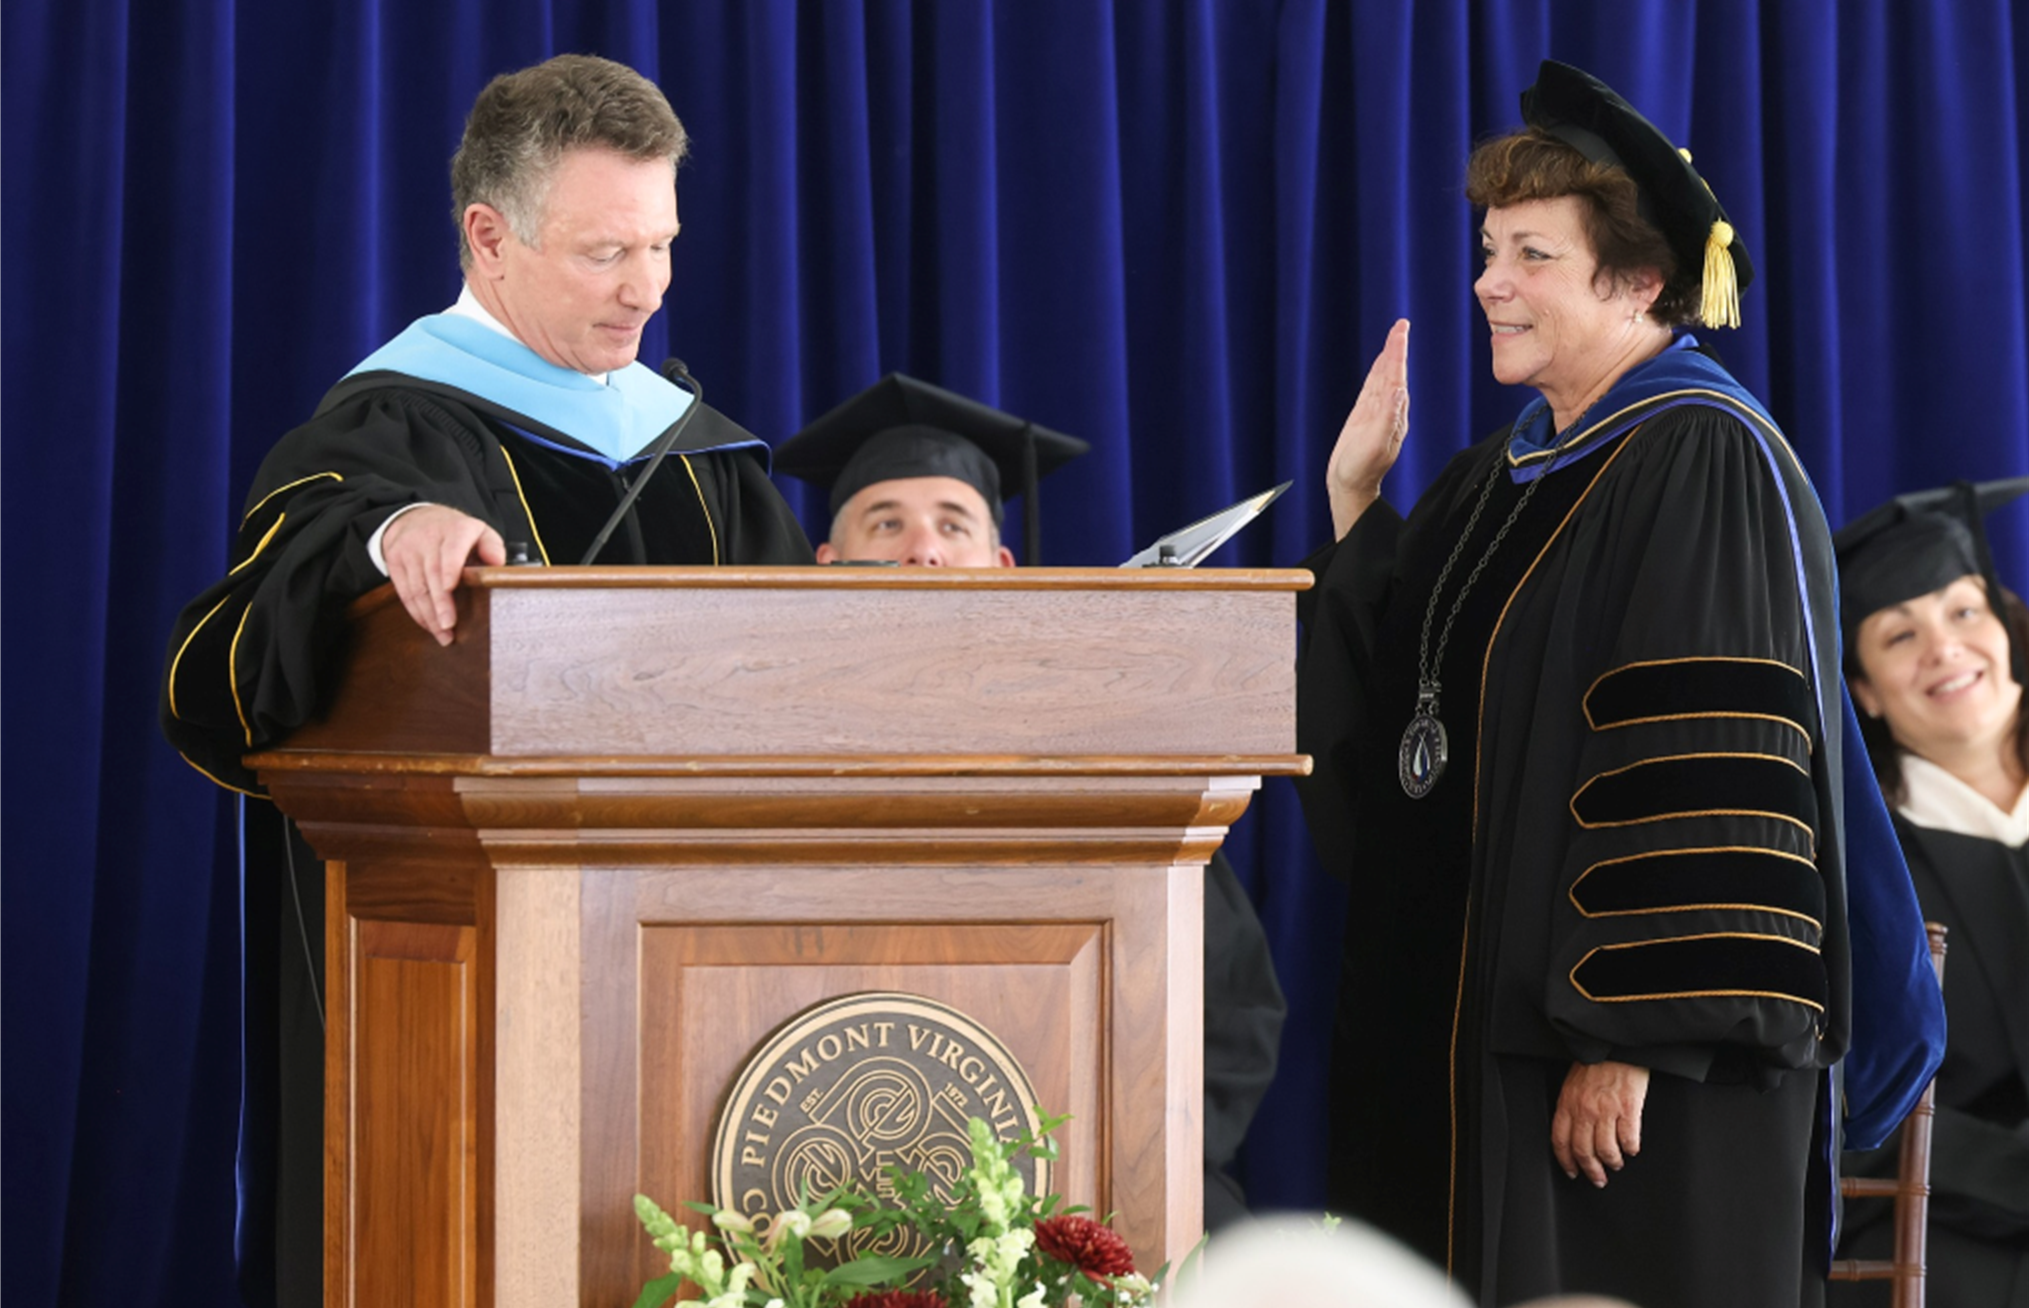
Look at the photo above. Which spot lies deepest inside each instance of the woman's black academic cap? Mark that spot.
(1584, 113)
(1917, 544)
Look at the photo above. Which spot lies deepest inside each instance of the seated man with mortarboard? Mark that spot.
(916, 476)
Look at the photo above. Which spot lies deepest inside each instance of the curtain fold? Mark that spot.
(1179, 230)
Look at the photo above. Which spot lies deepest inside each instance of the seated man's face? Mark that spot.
(937, 522)
(581, 295)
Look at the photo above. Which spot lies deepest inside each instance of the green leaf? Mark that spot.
(869, 1270)
(657, 1292)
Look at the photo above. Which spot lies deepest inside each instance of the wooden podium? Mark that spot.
(588, 857)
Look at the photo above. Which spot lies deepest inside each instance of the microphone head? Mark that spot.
(676, 374)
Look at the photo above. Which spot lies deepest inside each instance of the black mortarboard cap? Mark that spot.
(1917, 544)
(1584, 113)
(901, 427)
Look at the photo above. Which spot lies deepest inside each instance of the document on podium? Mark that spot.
(1189, 546)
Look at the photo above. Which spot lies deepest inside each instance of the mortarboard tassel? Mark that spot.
(1720, 306)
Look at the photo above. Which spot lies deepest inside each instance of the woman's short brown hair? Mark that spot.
(1533, 165)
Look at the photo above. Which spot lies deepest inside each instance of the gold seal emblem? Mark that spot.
(855, 1085)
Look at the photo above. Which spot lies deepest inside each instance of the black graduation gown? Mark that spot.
(253, 657)
(1244, 1011)
(1632, 855)
(1978, 1240)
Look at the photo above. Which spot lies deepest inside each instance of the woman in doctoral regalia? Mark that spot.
(1575, 724)
(1936, 672)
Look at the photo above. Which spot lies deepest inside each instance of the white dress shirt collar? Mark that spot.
(468, 306)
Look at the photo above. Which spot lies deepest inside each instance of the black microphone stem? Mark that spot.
(674, 371)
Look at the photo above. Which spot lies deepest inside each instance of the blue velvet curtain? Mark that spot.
(1178, 228)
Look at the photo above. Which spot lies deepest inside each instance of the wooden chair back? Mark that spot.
(1909, 1188)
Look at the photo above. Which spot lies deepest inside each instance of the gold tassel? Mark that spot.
(1721, 303)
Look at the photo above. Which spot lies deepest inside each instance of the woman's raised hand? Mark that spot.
(1372, 437)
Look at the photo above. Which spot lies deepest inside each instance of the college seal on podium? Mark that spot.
(855, 1085)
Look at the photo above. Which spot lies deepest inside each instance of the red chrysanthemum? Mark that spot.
(1085, 1244)
(896, 1299)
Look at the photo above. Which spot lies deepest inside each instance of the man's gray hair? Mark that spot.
(523, 123)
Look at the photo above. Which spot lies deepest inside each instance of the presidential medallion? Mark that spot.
(1421, 760)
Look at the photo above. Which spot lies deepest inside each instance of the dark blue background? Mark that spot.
(1177, 228)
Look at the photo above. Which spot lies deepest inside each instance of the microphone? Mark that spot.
(674, 370)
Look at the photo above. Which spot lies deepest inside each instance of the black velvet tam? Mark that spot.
(1584, 113)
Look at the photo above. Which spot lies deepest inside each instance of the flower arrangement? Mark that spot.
(994, 1246)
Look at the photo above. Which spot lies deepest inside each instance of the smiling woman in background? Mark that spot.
(1936, 675)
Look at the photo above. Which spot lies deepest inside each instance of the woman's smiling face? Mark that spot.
(1556, 326)
(1936, 668)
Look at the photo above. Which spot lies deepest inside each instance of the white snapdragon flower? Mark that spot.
(980, 1291)
(1009, 1249)
(995, 1261)
(996, 1182)
(831, 1224)
(728, 1220)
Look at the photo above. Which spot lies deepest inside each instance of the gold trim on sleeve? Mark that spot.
(178, 660)
(280, 518)
(1696, 994)
(1572, 893)
(232, 676)
(223, 785)
(1690, 813)
(1585, 702)
(315, 476)
(1692, 717)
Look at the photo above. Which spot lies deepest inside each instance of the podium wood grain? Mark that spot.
(549, 960)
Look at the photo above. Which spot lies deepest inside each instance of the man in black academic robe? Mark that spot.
(516, 421)
(916, 475)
